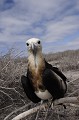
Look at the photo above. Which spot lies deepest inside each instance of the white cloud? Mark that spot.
(71, 45)
(74, 42)
(49, 20)
(60, 29)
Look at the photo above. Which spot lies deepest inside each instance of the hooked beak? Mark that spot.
(34, 48)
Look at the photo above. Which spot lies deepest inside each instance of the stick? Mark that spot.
(31, 111)
(56, 102)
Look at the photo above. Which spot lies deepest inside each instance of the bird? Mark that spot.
(42, 81)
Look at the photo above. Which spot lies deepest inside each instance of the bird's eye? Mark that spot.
(27, 44)
(38, 42)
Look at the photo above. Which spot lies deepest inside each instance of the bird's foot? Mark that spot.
(45, 106)
(50, 103)
(64, 106)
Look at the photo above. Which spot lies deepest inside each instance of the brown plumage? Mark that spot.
(36, 71)
(43, 81)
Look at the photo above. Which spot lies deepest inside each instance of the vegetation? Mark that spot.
(14, 101)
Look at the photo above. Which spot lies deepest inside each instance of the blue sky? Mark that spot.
(55, 22)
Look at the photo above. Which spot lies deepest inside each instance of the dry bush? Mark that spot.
(68, 60)
(11, 92)
(14, 101)
(11, 67)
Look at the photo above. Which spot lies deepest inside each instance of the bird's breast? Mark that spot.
(36, 75)
(44, 95)
(36, 68)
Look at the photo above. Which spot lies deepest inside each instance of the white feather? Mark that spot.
(43, 95)
(32, 40)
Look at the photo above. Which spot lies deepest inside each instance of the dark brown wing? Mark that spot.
(29, 89)
(56, 70)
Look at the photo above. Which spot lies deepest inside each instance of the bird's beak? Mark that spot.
(34, 48)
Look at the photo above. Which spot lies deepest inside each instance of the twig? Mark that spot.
(37, 114)
(46, 113)
(58, 114)
(67, 100)
(5, 66)
(73, 92)
(6, 107)
(1, 80)
(73, 81)
(7, 88)
(31, 111)
(10, 61)
(6, 118)
(74, 105)
(6, 95)
(56, 102)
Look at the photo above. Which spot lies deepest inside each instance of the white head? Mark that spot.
(34, 45)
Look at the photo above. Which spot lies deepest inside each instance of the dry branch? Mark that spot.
(26, 113)
(8, 116)
(72, 81)
(56, 102)
(10, 61)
